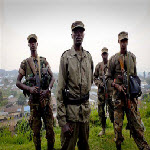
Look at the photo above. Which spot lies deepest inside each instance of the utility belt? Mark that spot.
(68, 100)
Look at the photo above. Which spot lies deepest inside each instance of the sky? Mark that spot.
(51, 21)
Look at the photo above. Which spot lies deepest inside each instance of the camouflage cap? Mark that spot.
(104, 50)
(77, 24)
(122, 35)
(32, 36)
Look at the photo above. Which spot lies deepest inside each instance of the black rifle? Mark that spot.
(105, 90)
(125, 79)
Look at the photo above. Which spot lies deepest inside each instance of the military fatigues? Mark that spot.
(36, 110)
(120, 106)
(100, 70)
(75, 74)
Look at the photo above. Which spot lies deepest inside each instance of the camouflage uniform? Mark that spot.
(36, 110)
(136, 127)
(75, 74)
(101, 69)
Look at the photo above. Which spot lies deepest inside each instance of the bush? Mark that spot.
(23, 130)
(94, 118)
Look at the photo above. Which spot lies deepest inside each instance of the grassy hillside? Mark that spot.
(22, 140)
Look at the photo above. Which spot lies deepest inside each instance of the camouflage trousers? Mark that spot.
(36, 113)
(101, 109)
(80, 132)
(134, 120)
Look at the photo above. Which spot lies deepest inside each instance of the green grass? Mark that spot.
(106, 142)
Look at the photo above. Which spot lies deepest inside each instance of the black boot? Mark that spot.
(50, 146)
(37, 143)
(128, 126)
(118, 146)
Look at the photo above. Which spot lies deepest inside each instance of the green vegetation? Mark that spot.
(22, 139)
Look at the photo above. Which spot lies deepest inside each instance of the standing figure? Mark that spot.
(38, 83)
(104, 94)
(74, 83)
(121, 75)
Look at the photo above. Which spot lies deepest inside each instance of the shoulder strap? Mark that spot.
(31, 64)
(39, 66)
(102, 68)
(128, 68)
(121, 61)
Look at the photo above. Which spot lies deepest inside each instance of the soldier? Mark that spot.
(74, 84)
(38, 84)
(103, 96)
(122, 66)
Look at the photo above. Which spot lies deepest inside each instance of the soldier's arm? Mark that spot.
(110, 73)
(92, 68)
(61, 110)
(51, 74)
(97, 81)
(19, 84)
(21, 74)
(135, 70)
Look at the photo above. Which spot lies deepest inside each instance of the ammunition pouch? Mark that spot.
(45, 79)
(70, 100)
(135, 87)
(30, 81)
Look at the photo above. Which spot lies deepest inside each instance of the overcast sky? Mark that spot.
(51, 21)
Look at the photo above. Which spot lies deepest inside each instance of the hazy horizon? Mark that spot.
(51, 22)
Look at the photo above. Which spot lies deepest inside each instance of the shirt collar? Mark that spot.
(34, 58)
(74, 53)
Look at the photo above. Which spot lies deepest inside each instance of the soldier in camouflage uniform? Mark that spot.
(104, 94)
(39, 99)
(74, 84)
(121, 104)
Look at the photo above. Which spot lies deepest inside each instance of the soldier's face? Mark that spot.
(105, 56)
(123, 44)
(33, 44)
(77, 36)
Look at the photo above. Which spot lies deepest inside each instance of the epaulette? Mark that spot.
(64, 52)
(42, 57)
(24, 61)
(132, 54)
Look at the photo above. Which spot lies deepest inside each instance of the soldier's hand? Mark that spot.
(43, 94)
(33, 90)
(67, 130)
(120, 88)
(102, 85)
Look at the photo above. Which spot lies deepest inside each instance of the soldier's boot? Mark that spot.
(37, 142)
(103, 127)
(50, 146)
(38, 146)
(118, 146)
(128, 126)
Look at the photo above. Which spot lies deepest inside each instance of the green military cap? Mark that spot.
(104, 50)
(122, 35)
(32, 36)
(77, 24)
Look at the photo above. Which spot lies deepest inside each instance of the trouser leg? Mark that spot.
(35, 124)
(118, 121)
(83, 136)
(136, 127)
(69, 143)
(48, 121)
